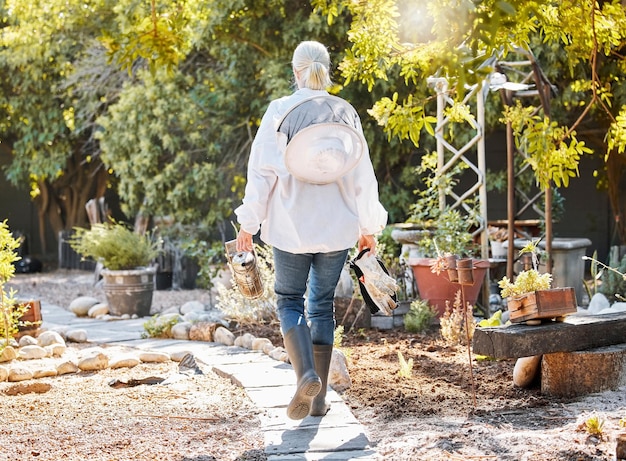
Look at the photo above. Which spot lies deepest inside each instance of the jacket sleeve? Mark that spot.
(372, 214)
(261, 176)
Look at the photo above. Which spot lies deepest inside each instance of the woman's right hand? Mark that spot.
(244, 241)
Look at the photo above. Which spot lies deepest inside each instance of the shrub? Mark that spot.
(114, 245)
(419, 317)
(457, 323)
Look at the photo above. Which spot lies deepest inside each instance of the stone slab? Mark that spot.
(576, 333)
(280, 396)
(316, 439)
(276, 418)
(257, 374)
(364, 455)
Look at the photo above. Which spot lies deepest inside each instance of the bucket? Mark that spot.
(129, 292)
(245, 271)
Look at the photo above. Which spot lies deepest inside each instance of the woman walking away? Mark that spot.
(312, 192)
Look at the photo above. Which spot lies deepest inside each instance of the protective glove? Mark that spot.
(377, 287)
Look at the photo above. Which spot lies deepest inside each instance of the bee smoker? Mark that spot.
(245, 271)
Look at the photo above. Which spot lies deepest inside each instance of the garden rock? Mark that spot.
(224, 336)
(181, 330)
(202, 331)
(27, 340)
(44, 372)
(260, 344)
(94, 362)
(4, 374)
(280, 354)
(55, 350)
(177, 356)
(18, 373)
(192, 316)
(245, 340)
(67, 367)
(616, 307)
(124, 361)
(598, 303)
(32, 352)
(338, 376)
(76, 336)
(8, 354)
(81, 305)
(48, 338)
(98, 310)
(191, 306)
(154, 357)
(525, 371)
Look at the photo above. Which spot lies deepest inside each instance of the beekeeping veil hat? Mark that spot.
(320, 139)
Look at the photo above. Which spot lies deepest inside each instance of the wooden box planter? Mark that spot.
(542, 304)
(30, 321)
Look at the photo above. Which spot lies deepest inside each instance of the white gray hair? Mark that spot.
(312, 62)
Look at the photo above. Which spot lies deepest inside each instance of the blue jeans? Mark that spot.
(321, 272)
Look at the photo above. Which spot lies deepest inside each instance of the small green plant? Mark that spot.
(419, 317)
(594, 425)
(362, 333)
(406, 367)
(159, 326)
(529, 280)
(494, 321)
(244, 311)
(114, 245)
(457, 323)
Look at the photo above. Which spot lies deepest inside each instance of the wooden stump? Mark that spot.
(570, 374)
(620, 448)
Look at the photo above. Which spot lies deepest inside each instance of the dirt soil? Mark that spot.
(444, 411)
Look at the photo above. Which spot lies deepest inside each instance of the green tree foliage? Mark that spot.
(39, 43)
(578, 44)
(159, 100)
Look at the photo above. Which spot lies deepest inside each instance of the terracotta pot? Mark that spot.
(438, 289)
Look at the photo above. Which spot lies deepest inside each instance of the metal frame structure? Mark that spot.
(517, 80)
(446, 162)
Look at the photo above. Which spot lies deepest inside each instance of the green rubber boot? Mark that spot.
(300, 350)
(322, 355)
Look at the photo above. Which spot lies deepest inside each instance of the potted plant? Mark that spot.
(448, 233)
(497, 236)
(125, 256)
(529, 297)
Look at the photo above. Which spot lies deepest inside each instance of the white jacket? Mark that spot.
(299, 217)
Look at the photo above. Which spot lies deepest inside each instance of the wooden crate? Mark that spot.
(32, 318)
(542, 304)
